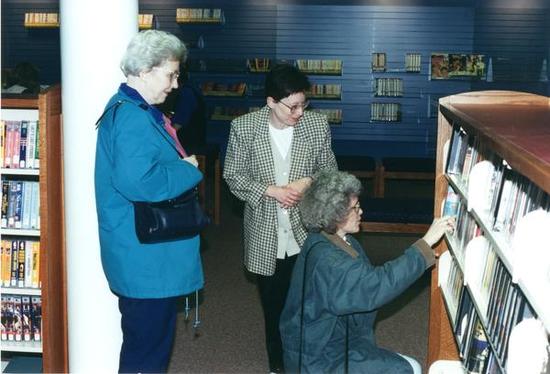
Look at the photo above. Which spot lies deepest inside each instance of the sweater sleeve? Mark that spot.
(353, 285)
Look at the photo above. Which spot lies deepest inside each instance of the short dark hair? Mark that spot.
(284, 80)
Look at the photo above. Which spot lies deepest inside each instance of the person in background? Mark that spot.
(189, 117)
(136, 161)
(327, 322)
(271, 156)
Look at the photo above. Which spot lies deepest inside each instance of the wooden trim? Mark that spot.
(408, 228)
(52, 250)
(20, 103)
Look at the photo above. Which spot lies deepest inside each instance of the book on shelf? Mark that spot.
(21, 318)
(464, 320)
(36, 318)
(20, 144)
(478, 350)
(223, 89)
(20, 263)
(452, 203)
(457, 151)
(20, 205)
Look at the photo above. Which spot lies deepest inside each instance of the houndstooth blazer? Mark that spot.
(249, 170)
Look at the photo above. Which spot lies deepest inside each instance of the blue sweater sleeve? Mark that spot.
(354, 285)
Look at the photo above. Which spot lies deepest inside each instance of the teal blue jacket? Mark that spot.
(135, 163)
(342, 284)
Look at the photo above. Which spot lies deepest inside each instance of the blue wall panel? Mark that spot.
(517, 40)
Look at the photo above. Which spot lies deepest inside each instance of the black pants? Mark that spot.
(273, 291)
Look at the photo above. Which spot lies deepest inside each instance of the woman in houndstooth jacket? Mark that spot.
(271, 157)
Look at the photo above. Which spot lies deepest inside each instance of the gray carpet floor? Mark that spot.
(230, 338)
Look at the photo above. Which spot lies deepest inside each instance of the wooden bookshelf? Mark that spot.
(54, 346)
(514, 127)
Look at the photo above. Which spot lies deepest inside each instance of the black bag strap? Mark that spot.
(118, 103)
(302, 329)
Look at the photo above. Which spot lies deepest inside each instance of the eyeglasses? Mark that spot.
(172, 75)
(356, 207)
(294, 108)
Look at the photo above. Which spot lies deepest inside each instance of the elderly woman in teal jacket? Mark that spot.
(136, 160)
(327, 323)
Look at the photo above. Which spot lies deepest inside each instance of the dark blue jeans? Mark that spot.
(148, 329)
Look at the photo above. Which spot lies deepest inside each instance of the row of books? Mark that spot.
(499, 195)
(41, 19)
(21, 318)
(320, 66)
(378, 62)
(389, 87)
(333, 115)
(198, 14)
(320, 90)
(386, 112)
(20, 263)
(412, 62)
(482, 339)
(222, 89)
(20, 205)
(258, 65)
(145, 20)
(19, 144)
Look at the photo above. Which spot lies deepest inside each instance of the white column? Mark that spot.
(94, 36)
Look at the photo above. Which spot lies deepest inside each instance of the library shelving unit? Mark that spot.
(510, 132)
(47, 109)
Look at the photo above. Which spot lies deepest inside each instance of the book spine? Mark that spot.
(28, 263)
(23, 144)
(21, 255)
(36, 318)
(36, 264)
(5, 196)
(14, 263)
(26, 317)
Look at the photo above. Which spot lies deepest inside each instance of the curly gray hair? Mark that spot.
(151, 48)
(326, 201)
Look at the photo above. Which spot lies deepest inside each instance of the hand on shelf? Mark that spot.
(438, 228)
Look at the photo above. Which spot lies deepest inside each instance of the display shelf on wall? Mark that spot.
(490, 159)
(41, 20)
(50, 290)
(227, 113)
(325, 92)
(334, 116)
(320, 67)
(145, 21)
(223, 89)
(385, 112)
(258, 65)
(200, 15)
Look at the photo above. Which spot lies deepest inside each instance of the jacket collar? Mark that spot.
(340, 243)
(135, 96)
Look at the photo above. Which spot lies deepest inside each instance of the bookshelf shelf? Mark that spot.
(21, 291)
(20, 232)
(484, 133)
(8, 171)
(22, 346)
(53, 344)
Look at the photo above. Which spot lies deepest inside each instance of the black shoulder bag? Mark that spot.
(173, 219)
